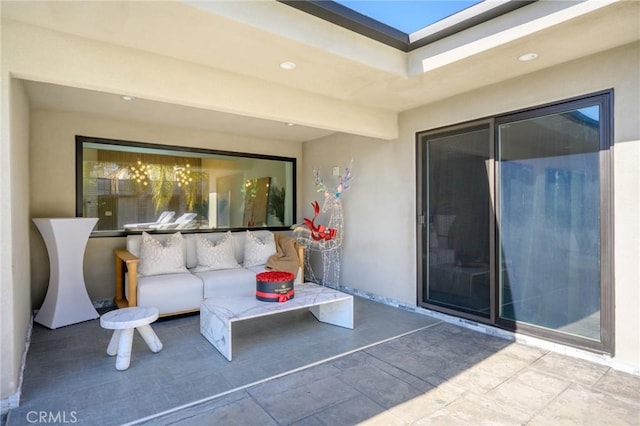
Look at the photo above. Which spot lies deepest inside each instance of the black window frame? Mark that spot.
(80, 140)
(605, 100)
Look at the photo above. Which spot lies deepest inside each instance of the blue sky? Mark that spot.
(407, 15)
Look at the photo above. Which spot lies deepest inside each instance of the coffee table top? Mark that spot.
(234, 308)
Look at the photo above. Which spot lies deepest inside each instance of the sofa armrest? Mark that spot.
(126, 263)
(300, 249)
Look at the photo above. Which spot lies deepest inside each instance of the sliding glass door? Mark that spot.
(456, 232)
(550, 219)
(536, 257)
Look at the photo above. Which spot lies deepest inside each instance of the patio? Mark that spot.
(395, 367)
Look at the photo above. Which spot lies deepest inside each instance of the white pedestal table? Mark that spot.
(123, 322)
(67, 301)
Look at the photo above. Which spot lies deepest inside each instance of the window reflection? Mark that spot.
(550, 221)
(134, 187)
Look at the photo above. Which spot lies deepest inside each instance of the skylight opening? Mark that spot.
(407, 24)
(408, 16)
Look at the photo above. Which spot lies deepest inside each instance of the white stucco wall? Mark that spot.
(15, 289)
(380, 211)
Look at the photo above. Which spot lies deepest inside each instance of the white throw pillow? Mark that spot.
(257, 250)
(215, 255)
(157, 258)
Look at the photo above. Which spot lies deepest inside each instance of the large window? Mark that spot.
(516, 221)
(132, 186)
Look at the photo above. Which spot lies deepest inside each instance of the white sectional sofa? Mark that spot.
(179, 286)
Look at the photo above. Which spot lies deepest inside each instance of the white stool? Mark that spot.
(123, 321)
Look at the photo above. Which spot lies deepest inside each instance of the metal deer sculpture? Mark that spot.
(325, 239)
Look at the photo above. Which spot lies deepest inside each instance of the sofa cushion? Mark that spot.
(170, 293)
(158, 258)
(257, 269)
(227, 282)
(215, 255)
(258, 249)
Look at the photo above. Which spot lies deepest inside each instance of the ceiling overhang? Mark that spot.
(223, 57)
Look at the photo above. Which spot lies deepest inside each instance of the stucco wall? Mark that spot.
(52, 189)
(15, 289)
(380, 211)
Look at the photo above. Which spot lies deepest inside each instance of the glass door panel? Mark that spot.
(549, 221)
(456, 235)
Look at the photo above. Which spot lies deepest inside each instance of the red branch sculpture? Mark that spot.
(319, 232)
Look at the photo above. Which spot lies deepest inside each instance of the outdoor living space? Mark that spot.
(394, 367)
(471, 184)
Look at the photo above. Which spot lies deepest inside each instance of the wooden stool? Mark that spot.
(123, 322)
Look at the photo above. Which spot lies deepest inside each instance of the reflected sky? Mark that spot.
(408, 16)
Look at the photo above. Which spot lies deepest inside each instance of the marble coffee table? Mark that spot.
(218, 315)
(123, 322)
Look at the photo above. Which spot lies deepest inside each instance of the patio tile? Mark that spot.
(542, 381)
(308, 421)
(355, 359)
(293, 381)
(418, 341)
(239, 413)
(441, 374)
(621, 385)
(422, 366)
(349, 412)
(442, 418)
(379, 386)
(294, 404)
(474, 409)
(579, 405)
(471, 379)
(521, 393)
(451, 329)
(523, 352)
(501, 366)
(194, 411)
(400, 373)
(491, 369)
(486, 341)
(419, 407)
(462, 347)
(575, 370)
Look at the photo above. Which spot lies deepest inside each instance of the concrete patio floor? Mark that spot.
(442, 375)
(395, 368)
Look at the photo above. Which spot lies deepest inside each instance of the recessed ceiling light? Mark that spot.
(528, 57)
(287, 65)
(290, 124)
(127, 98)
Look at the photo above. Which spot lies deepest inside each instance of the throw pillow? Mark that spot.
(157, 258)
(258, 249)
(214, 255)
